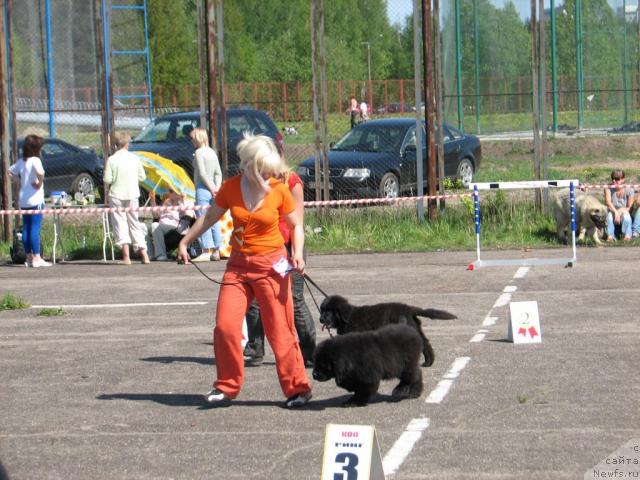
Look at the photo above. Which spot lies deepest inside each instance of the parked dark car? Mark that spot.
(168, 135)
(378, 159)
(69, 168)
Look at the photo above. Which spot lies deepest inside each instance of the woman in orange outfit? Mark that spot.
(258, 268)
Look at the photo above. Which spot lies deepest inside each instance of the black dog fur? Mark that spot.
(336, 312)
(360, 360)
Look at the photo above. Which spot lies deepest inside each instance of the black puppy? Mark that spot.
(359, 361)
(336, 312)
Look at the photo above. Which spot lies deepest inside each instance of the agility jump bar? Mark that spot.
(476, 187)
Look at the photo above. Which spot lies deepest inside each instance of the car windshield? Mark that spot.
(372, 138)
(154, 132)
(168, 130)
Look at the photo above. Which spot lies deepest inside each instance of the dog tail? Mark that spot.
(435, 314)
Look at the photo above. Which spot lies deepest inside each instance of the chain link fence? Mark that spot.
(591, 72)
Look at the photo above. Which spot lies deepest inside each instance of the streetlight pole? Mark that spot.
(370, 97)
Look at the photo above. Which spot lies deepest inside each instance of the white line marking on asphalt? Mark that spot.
(123, 305)
(489, 320)
(521, 272)
(502, 300)
(457, 366)
(478, 337)
(403, 446)
(510, 289)
(444, 385)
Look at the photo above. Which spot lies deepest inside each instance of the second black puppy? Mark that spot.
(360, 360)
(336, 312)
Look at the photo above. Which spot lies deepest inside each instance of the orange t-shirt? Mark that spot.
(256, 232)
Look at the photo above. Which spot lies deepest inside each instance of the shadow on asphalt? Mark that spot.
(169, 359)
(193, 400)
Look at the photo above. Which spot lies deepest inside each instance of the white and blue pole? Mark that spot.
(476, 207)
(572, 204)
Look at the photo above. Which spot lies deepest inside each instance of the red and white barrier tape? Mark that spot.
(388, 201)
(98, 210)
(330, 203)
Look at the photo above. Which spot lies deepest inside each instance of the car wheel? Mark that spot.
(465, 172)
(84, 184)
(389, 186)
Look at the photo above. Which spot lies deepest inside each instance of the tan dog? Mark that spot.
(591, 215)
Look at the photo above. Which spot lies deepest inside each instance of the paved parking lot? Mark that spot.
(113, 388)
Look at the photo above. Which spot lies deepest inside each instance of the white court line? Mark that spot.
(489, 320)
(521, 272)
(122, 305)
(510, 289)
(477, 338)
(403, 446)
(502, 300)
(444, 385)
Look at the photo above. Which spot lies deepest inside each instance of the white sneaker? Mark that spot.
(215, 256)
(161, 258)
(203, 257)
(40, 263)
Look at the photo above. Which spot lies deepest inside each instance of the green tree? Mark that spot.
(172, 42)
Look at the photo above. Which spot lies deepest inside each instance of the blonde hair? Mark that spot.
(200, 137)
(121, 139)
(259, 156)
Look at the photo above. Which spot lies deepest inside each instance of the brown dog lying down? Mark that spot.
(360, 360)
(336, 312)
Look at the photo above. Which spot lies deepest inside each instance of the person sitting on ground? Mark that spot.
(168, 221)
(619, 199)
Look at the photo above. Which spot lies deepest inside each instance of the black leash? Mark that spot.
(307, 280)
(241, 281)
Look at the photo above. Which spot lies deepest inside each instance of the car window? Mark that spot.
(454, 134)
(51, 149)
(184, 128)
(237, 124)
(157, 131)
(410, 137)
(263, 125)
(368, 138)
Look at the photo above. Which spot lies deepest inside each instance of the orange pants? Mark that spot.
(273, 294)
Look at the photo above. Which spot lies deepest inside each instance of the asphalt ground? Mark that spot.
(113, 388)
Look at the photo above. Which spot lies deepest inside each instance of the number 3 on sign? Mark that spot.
(349, 462)
(351, 452)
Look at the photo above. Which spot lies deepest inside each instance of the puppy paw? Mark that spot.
(401, 391)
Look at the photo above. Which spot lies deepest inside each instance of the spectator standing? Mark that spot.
(258, 268)
(122, 174)
(354, 111)
(303, 321)
(207, 176)
(619, 200)
(29, 174)
(364, 111)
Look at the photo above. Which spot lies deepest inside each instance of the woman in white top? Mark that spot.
(28, 171)
(207, 177)
(122, 173)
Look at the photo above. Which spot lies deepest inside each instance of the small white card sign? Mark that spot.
(524, 326)
(351, 452)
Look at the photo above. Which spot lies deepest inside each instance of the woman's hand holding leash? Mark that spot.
(183, 256)
(297, 263)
